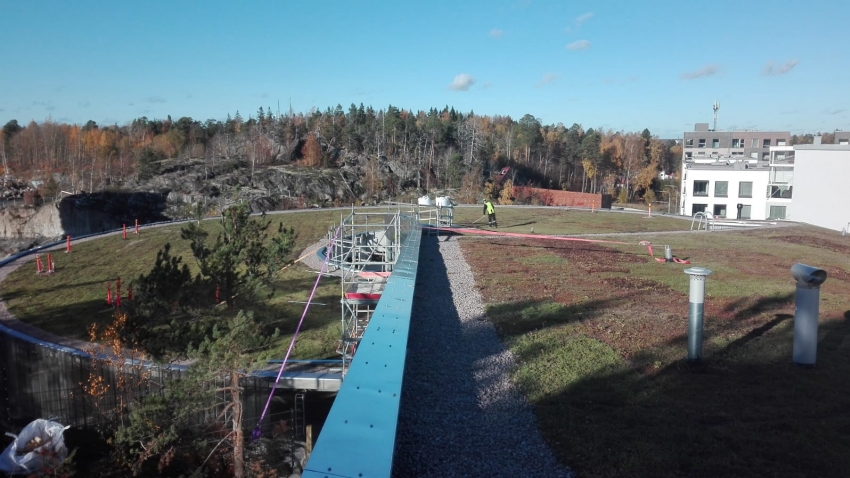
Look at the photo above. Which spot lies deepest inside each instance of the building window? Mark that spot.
(780, 142)
(719, 210)
(766, 143)
(844, 141)
(745, 212)
(695, 208)
(777, 212)
(700, 188)
(754, 155)
(715, 143)
(780, 192)
(689, 142)
(755, 143)
(721, 189)
(701, 143)
(745, 189)
(737, 143)
(689, 155)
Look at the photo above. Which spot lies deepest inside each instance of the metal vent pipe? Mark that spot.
(696, 307)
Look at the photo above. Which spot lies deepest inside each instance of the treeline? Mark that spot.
(444, 147)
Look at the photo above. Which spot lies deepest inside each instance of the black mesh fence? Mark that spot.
(73, 388)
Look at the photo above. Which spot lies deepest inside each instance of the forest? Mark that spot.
(444, 147)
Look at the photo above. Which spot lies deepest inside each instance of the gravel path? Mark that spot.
(460, 414)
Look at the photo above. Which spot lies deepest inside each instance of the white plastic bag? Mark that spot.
(40, 444)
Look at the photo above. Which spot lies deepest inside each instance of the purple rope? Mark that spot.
(256, 434)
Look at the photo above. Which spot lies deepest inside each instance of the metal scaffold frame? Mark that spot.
(438, 215)
(365, 253)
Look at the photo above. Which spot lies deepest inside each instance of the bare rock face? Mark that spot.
(82, 214)
(214, 184)
(30, 222)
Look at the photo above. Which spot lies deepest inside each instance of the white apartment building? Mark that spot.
(739, 187)
(705, 143)
(821, 195)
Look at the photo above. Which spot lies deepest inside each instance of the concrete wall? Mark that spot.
(758, 203)
(821, 175)
(556, 197)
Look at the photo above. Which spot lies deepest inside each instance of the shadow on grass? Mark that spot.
(762, 304)
(514, 319)
(746, 410)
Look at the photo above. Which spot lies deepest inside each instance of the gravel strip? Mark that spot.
(460, 414)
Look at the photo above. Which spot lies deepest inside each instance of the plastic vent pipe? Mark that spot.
(809, 280)
(696, 307)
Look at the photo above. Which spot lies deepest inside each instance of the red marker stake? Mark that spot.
(68, 245)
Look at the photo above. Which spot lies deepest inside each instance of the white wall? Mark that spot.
(757, 203)
(822, 186)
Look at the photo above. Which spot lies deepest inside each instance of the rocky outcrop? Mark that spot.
(215, 184)
(82, 214)
(30, 222)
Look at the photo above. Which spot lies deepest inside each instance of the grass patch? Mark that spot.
(562, 221)
(67, 302)
(601, 338)
(599, 332)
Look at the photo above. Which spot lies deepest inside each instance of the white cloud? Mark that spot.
(833, 111)
(547, 78)
(707, 70)
(462, 82)
(155, 99)
(771, 69)
(583, 18)
(496, 33)
(579, 45)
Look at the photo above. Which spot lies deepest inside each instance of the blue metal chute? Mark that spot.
(358, 437)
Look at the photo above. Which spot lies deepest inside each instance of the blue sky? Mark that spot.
(623, 65)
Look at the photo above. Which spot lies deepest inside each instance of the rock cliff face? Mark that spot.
(181, 185)
(30, 222)
(81, 214)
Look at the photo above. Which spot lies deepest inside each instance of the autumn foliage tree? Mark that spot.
(311, 151)
(433, 148)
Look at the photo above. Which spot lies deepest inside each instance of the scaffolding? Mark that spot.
(439, 213)
(367, 247)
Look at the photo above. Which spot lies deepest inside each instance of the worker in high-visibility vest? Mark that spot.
(490, 211)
